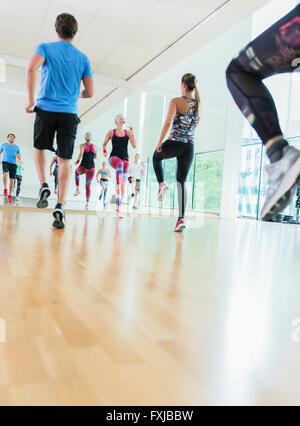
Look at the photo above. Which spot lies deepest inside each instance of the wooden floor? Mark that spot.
(116, 313)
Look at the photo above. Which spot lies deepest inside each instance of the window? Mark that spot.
(208, 181)
(254, 180)
(249, 181)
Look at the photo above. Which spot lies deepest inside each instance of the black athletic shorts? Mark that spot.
(10, 168)
(47, 123)
(137, 183)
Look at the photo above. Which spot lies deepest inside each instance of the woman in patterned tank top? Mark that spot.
(183, 116)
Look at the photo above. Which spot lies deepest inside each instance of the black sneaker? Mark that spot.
(42, 202)
(59, 216)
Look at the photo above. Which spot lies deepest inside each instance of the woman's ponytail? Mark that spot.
(191, 82)
(198, 100)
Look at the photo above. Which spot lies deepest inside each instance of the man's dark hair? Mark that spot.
(66, 26)
(11, 134)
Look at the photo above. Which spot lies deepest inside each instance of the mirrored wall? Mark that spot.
(146, 110)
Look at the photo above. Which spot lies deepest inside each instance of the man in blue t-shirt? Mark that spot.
(9, 164)
(63, 69)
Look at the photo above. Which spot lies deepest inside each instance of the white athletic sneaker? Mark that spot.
(77, 192)
(283, 176)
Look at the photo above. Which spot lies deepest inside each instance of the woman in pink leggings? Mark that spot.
(87, 155)
(119, 159)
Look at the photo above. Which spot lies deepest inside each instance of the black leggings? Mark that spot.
(55, 174)
(19, 183)
(184, 152)
(275, 51)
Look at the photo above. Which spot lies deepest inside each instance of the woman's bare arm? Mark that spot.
(168, 122)
(131, 137)
(80, 153)
(108, 137)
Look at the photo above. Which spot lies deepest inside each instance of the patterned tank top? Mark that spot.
(183, 128)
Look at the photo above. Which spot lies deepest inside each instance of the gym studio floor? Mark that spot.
(128, 313)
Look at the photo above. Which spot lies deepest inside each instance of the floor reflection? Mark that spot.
(95, 207)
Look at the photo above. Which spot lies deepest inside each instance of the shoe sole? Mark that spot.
(58, 216)
(42, 203)
(162, 193)
(280, 199)
(180, 228)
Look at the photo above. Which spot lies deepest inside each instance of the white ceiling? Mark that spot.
(119, 36)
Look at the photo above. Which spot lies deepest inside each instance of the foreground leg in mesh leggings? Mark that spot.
(275, 51)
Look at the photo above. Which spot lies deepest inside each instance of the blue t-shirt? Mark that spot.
(9, 153)
(62, 71)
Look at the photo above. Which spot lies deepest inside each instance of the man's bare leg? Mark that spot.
(11, 186)
(40, 164)
(5, 180)
(64, 174)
